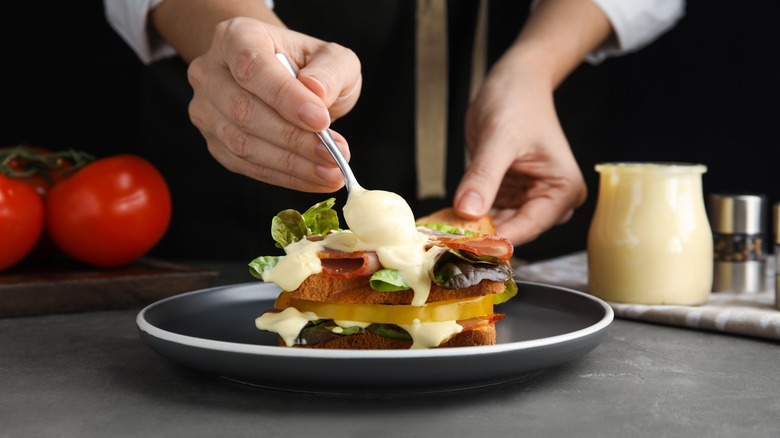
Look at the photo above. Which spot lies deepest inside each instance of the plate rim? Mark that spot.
(285, 352)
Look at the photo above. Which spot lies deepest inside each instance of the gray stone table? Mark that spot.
(90, 375)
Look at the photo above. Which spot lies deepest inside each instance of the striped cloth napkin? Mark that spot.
(749, 314)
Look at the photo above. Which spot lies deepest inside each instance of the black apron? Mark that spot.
(217, 214)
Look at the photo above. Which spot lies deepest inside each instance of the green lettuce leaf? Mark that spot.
(290, 226)
(260, 264)
(387, 280)
(509, 292)
(449, 229)
(321, 218)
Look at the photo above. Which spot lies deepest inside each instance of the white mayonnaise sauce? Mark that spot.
(383, 222)
(297, 265)
(287, 324)
(650, 241)
(430, 334)
(378, 221)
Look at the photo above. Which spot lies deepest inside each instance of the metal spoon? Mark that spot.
(325, 136)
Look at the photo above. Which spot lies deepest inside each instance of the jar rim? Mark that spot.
(650, 166)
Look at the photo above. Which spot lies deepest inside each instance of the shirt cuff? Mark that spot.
(636, 24)
(129, 18)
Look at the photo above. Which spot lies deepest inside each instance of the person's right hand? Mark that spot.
(257, 119)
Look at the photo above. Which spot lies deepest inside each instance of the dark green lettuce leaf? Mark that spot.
(471, 257)
(391, 331)
(321, 330)
(453, 271)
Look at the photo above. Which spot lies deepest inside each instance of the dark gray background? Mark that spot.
(704, 92)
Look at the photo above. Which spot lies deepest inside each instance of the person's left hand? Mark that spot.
(522, 169)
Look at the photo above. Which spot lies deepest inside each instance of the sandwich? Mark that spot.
(388, 281)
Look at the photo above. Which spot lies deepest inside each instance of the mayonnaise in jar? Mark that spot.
(650, 241)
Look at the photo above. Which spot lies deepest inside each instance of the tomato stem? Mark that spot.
(23, 161)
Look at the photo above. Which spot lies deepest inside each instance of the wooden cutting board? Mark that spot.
(65, 286)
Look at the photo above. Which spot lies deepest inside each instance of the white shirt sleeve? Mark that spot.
(636, 23)
(129, 18)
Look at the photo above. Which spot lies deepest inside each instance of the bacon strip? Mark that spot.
(480, 244)
(470, 324)
(337, 264)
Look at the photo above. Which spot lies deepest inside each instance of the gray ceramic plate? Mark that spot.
(213, 330)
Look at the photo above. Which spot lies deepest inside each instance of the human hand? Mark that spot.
(522, 169)
(257, 119)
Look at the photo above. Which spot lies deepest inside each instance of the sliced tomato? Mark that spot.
(449, 310)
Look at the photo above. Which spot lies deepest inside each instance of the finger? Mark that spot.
(479, 185)
(334, 75)
(251, 59)
(260, 120)
(546, 204)
(324, 154)
(278, 166)
(301, 156)
(527, 223)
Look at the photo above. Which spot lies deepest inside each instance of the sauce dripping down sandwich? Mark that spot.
(386, 282)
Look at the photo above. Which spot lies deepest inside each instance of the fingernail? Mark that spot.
(471, 203)
(315, 116)
(323, 89)
(322, 152)
(330, 174)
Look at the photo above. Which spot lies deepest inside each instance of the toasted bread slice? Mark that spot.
(484, 225)
(484, 334)
(357, 290)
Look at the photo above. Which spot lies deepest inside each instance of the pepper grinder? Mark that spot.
(739, 236)
(777, 254)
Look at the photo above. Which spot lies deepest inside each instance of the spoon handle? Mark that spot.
(330, 144)
(325, 135)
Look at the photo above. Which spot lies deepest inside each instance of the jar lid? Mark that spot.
(651, 167)
(737, 213)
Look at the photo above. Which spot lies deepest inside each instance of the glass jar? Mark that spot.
(650, 241)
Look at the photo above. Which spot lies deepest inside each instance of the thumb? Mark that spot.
(335, 78)
(308, 111)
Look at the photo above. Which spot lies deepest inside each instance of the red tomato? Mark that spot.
(41, 168)
(21, 220)
(111, 212)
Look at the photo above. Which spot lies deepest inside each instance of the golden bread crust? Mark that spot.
(483, 225)
(357, 290)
